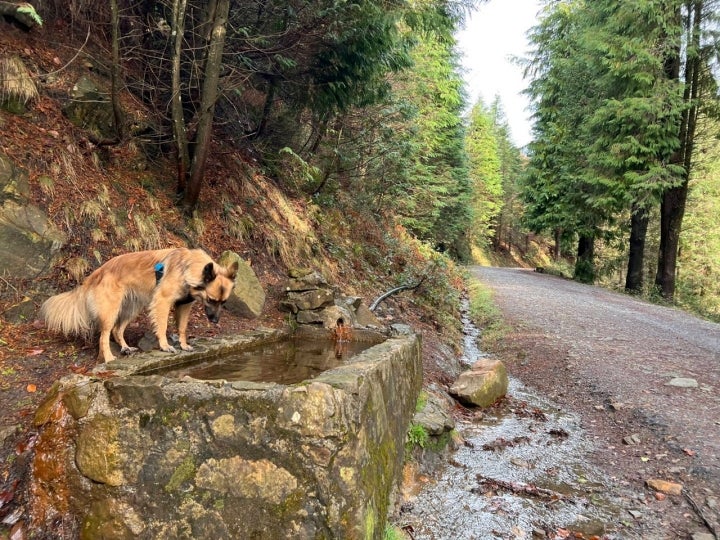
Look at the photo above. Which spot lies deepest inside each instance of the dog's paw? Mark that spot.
(187, 347)
(129, 350)
(169, 349)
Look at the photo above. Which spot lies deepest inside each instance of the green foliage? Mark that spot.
(393, 533)
(487, 194)
(698, 285)
(417, 436)
(437, 206)
(607, 117)
(27, 9)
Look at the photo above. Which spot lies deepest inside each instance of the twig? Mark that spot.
(701, 514)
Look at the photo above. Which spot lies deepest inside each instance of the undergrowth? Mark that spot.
(485, 314)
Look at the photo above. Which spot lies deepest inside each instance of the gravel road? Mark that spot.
(616, 361)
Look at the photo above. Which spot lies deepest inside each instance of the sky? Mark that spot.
(494, 33)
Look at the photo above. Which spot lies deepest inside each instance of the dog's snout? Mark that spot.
(212, 314)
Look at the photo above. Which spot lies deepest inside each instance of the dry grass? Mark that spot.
(16, 83)
(77, 267)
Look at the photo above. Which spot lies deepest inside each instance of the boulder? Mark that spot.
(28, 240)
(248, 299)
(482, 385)
(365, 317)
(91, 109)
(435, 416)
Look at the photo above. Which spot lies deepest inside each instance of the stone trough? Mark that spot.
(122, 454)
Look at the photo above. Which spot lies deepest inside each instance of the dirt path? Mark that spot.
(609, 358)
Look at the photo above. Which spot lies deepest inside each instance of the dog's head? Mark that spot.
(218, 283)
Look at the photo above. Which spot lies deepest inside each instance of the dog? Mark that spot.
(114, 294)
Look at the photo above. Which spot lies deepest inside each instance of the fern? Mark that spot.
(27, 9)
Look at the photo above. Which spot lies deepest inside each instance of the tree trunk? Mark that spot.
(207, 105)
(672, 208)
(557, 251)
(638, 231)
(585, 262)
(178, 117)
(118, 122)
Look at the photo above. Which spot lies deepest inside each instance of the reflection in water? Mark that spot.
(284, 362)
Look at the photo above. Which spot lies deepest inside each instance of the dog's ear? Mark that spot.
(209, 273)
(232, 270)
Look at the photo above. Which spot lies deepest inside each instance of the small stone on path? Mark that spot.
(682, 382)
(671, 488)
(632, 439)
(702, 536)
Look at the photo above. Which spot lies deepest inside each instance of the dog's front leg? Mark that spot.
(159, 313)
(182, 316)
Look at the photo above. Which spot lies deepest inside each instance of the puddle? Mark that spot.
(522, 470)
(284, 362)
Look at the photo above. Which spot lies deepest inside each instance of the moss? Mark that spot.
(185, 471)
(438, 444)
(370, 524)
(422, 400)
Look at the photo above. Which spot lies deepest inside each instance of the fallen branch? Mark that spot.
(384, 296)
(701, 514)
(516, 488)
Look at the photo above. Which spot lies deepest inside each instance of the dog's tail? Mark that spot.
(69, 313)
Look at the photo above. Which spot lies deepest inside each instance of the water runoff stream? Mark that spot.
(522, 472)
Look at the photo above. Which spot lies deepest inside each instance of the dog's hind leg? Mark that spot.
(118, 333)
(106, 327)
(108, 308)
(132, 305)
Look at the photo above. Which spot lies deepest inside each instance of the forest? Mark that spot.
(360, 107)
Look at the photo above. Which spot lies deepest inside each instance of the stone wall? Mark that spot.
(134, 456)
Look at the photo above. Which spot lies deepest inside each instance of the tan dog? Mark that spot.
(114, 294)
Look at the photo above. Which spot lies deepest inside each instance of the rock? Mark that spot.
(248, 479)
(632, 439)
(98, 452)
(306, 282)
(481, 385)
(663, 486)
(90, 109)
(435, 416)
(702, 536)
(313, 299)
(248, 299)
(682, 382)
(298, 273)
(327, 317)
(365, 317)
(28, 240)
